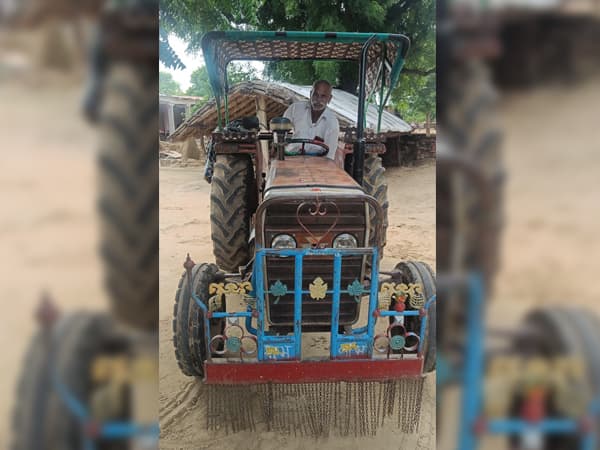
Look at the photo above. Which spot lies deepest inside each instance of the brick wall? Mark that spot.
(408, 149)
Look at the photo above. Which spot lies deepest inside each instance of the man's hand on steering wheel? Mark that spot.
(316, 141)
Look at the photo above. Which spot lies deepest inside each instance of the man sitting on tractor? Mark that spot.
(313, 120)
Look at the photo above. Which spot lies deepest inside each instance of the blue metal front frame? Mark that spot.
(289, 347)
(105, 430)
(472, 388)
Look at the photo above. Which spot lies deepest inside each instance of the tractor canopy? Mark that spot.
(380, 57)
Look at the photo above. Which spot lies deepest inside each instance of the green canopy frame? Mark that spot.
(380, 57)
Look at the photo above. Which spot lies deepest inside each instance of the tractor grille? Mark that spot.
(316, 314)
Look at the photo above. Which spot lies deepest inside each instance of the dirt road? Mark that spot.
(185, 227)
(552, 153)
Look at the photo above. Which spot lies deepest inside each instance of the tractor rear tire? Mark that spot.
(232, 202)
(468, 227)
(471, 130)
(41, 419)
(128, 194)
(420, 273)
(375, 185)
(564, 332)
(188, 322)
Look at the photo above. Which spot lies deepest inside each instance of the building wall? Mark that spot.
(408, 149)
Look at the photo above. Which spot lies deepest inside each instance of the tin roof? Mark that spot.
(243, 101)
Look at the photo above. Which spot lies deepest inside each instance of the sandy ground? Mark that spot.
(185, 227)
(48, 227)
(550, 244)
(552, 152)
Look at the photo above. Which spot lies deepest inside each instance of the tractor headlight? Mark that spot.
(345, 240)
(283, 241)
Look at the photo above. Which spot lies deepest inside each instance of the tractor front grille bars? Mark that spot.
(279, 357)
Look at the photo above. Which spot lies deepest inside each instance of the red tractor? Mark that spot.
(299, 239)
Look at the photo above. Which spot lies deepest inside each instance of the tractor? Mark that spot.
(298, 240)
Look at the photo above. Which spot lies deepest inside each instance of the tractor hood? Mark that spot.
(312, 196)
(308, 172)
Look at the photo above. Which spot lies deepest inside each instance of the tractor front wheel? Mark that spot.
(64, 357)
(417, 272)
(189, 337)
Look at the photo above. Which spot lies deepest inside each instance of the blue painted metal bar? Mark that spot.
(108, 430)
(424, 323)
(316, 252)
(249, 326)
(335, 305)
(298, 305)
(398, 314)
(74, 405)
(373, 299)
(594, 408)
(207, 336)
(517, 426)
(123, 430)
(259, 287)
(422, 334)
(590, 440)
(220, 315)
(474, 366)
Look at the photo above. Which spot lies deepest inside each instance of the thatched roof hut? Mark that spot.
(267, 100)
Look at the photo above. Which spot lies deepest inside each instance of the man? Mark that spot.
(314, 120)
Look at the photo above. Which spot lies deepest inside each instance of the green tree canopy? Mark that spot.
(189, 19)
(200, 85)
(167, 85)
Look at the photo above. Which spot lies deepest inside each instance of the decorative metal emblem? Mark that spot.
(397, 342)
(414, 292)
(242, 287)
(278, 289)
(349, 347)
(316, 209)
(317, 289)
(233, 344)
(356, 290)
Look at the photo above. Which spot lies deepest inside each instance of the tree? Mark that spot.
(200, 85)
(414, 97)
(167, 85)
(415, 18)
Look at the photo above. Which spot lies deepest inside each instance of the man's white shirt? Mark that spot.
(326, 127)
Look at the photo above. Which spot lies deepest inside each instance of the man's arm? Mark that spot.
(331, 137)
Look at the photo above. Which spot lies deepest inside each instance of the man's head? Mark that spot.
(320, 95)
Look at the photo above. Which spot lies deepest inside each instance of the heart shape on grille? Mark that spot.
(316, 209)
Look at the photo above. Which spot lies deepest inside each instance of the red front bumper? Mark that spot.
(311, 371)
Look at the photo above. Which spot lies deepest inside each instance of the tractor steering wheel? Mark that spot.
(321, 152)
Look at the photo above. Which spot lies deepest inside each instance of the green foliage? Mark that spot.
(167, 85)
(166, 54)
(414, 95)
(189, 19)
(200, 85)
(413, 98)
